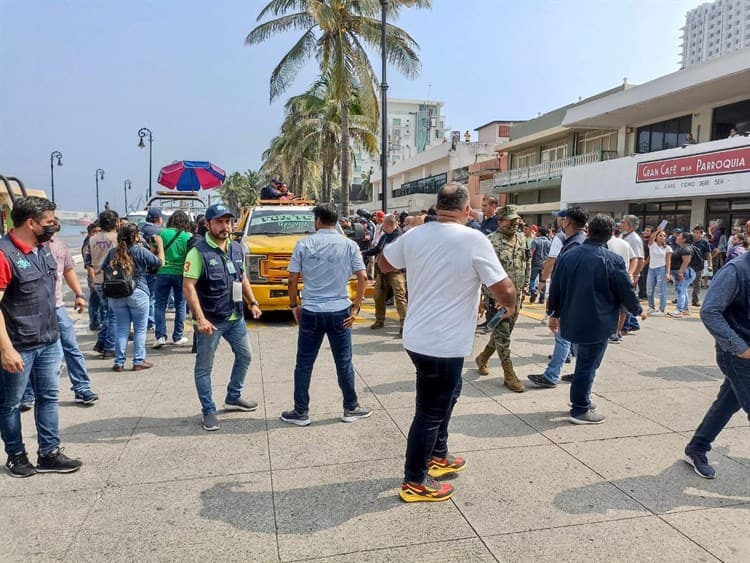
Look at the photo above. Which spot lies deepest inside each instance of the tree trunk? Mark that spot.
(345, 159)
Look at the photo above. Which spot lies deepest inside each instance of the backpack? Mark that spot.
(118, 282)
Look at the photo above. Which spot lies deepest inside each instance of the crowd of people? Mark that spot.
(587, 272)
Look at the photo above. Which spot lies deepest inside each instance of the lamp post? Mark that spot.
(54, 155)
(127, 184)
(99, 175)
(142, 132)
(383, 108)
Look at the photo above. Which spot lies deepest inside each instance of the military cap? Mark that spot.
(509, 212)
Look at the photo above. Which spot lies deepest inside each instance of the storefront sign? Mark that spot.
(717, 163)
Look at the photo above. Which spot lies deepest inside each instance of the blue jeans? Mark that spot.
(312, 328)
(734, 394)
(74, 360)
(559, 355)
(438, 388)
(133, 309)
(151, 282)
(108, 329)
(95, 314)
(682, 289)
(534, 281)
(235, 333)
(657, 278)
(588, 359)
(164, 284)
(42, 368)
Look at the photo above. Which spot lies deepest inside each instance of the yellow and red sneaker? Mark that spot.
(441, 466)
(428, 491)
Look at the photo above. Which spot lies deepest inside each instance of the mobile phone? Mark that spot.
(663, 225)
(494, 321)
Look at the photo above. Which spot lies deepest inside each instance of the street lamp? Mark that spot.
(127, 184)
(54, 155)
(99, 175)
(383, 108)
(142, 132)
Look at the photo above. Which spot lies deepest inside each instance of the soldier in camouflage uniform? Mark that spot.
(512, 251)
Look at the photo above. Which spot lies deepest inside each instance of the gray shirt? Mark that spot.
(635, 242)
(326, 260)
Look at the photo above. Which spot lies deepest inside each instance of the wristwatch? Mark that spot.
(254, 304)
(80, 296)
(293, 306)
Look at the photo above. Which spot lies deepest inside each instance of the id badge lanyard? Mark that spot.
(236, 285)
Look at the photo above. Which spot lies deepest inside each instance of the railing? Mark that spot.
(550, 169)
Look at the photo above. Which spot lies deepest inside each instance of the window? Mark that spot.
(555, 151)
(397, 122)
(595, 141)
(676, 213)
(524, 159)
(664, 135)
(429, 185)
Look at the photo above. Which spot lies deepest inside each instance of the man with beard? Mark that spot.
(214, 284)
(30, 339)
(511, 249)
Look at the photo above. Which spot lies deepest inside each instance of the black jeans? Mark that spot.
(438, 387)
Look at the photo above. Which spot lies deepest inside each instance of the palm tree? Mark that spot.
(336, 33)
(241, 190)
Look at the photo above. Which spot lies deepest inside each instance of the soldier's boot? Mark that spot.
(482, 359)
(401, 328)
(511, 379)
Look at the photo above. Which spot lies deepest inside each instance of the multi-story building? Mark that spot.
(413, 127)
(714, 29)
(631, 151)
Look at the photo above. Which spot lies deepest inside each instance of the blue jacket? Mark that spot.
(589, 287)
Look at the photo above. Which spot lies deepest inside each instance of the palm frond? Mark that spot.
(292, 22)
(286, 71)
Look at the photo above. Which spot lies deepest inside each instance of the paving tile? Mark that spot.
(164, 453)
(325, 395)
(497, 489)
(646, 539)
(457, 550)
(42, 525)
(734, 443)
(189, 518)
(329, 441)
(723, 532)
(479, 425)
(349, 508)
(651, 470)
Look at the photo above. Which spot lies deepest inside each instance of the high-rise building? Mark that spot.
(714, 29)
(413, 127)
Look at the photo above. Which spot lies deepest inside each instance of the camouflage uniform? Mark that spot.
(515, 257)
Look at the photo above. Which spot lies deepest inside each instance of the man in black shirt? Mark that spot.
(700, 244)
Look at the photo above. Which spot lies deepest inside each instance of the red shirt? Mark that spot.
(6, 272)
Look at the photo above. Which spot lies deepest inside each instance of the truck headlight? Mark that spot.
(252, 267)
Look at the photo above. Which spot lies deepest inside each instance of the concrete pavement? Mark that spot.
(156, 487)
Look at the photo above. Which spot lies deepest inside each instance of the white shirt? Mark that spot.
(446, 263)
(621, 248)
(658, 255)
(636, 243)
(556, 246)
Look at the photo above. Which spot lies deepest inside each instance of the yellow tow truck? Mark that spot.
(269, 231)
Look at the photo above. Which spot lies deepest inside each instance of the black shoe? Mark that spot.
(296, 418)
(567, 360)
(18, 465)
(87, 397)
(532, 298)
(696, 304)
(107, 354)
(541, 381)
(700, 464)
(567, 377)
(99, 346)
(57, 462)
(23, 407)
(541, 300)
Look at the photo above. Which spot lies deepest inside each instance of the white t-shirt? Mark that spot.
(556, 246)
(621, 248)
(636, 243)
(446, 263)
(658, 255)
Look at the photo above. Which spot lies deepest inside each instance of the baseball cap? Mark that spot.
(153, 213)
(562, 213)
(379, 214)
(218, 210)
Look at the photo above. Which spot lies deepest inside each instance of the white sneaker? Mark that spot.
(675, 314)
(656, 313)
(651, 312)
(160, 342)
(182, 341)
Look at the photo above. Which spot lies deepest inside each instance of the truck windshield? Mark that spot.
(281, 222)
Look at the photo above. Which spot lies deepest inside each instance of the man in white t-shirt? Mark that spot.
(629, 226)
(445, 263)
(625, 251)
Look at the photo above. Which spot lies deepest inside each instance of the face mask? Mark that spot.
(47, 233)
(510, 229)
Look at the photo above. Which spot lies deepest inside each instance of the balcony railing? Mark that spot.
(549, 170)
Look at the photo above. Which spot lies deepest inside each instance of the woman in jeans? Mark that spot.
(660, 254)
(175, 239)
(685, 274)
(137, 261)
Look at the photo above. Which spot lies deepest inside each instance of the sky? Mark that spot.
(83, 76)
